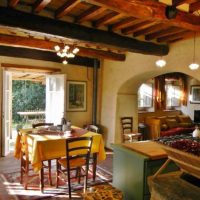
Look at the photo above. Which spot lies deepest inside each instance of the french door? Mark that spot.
(7, 112)
(55, 98)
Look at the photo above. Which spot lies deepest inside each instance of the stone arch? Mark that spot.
(127, 98)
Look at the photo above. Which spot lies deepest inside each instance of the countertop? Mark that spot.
(148, 148)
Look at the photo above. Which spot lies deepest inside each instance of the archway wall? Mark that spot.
(122, 79)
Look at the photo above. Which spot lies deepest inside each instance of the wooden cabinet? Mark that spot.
(133, 163)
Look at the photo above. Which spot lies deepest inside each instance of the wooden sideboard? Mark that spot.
(133, 163)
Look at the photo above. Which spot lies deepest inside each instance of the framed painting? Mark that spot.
(76, 95)
(195, 94)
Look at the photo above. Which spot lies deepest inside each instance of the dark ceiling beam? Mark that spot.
(138, 27)
(165, 32)
(148, 30)
(109, 18)
(180, 2)
(194, 7)
(66, 8)
(13, 3)
(9, 17)
(176, 36)
(122, 24)
(151, 10)
(90, 13)
(43, 55)
(39, 5)
(44, 45)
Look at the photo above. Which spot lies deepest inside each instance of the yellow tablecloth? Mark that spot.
(44, 147)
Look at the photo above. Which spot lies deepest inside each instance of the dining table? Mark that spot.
(45, 144)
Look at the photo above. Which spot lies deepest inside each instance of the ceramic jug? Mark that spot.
(196, 132)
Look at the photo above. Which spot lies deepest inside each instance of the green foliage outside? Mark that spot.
(26, 96)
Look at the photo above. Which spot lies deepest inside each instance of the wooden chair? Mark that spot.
(48, 166)
(41, 124)
(25, 163)
(77, 156)
(93, 128)
(93, 157)
(127, 130)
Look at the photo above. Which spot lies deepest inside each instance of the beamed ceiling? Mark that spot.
(102, 29)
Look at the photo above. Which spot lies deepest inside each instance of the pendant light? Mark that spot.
(194, 65)
(160, 62)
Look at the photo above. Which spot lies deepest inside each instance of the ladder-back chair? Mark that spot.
(77, 156)
(127, 130)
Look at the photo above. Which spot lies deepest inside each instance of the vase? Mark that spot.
(196, 132)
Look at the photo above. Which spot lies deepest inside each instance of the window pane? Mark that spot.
(145, 95)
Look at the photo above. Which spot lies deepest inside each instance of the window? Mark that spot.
(173, 94)
(145, 94)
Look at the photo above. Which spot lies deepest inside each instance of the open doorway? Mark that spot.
(28, 101)
(30, 97)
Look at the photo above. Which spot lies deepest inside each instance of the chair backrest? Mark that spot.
(79, 147)
(24, 145)
(41, 124)
(92, 128)
(127, 124)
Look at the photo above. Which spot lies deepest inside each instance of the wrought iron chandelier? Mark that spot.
(66, 52)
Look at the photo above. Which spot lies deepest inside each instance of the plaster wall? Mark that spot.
(124, 78)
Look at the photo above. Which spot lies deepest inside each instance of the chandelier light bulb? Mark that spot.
(57, 48)
(66, 47)
(160, 63)
(76, 50)
(64, 62)
(194, 66)
(66, 52)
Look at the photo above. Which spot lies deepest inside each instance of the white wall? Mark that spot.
(189, 109)
(125, 77)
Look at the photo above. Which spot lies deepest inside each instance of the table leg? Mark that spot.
(41, 179)
(94, 167)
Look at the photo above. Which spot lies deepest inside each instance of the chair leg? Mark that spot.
(42, 179)
(69, 182)
(57, 173)
(21, 170)
(79, 174)
(49, 168)
(26, 174)
(94, 166)
(85, 179)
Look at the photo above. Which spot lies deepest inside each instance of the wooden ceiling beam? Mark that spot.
(151, 10)
(76, 33)
(122, 24)
(194, 7)
(162, 33)
(109, 18)
(49, 46)
(66, 8)
(90, 13)
(39, 5)
(173, 37)
(12, 3)
(180, 2)
(137, 27)
(30, 68)
(34, 54)
(151, 29)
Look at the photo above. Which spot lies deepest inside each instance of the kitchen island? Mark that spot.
(133, 163)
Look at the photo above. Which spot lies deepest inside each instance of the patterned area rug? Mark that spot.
(16, 190)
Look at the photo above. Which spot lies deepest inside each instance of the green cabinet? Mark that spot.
(130, 172)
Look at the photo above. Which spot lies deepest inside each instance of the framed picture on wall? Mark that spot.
(76, 95)
(195, 94)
